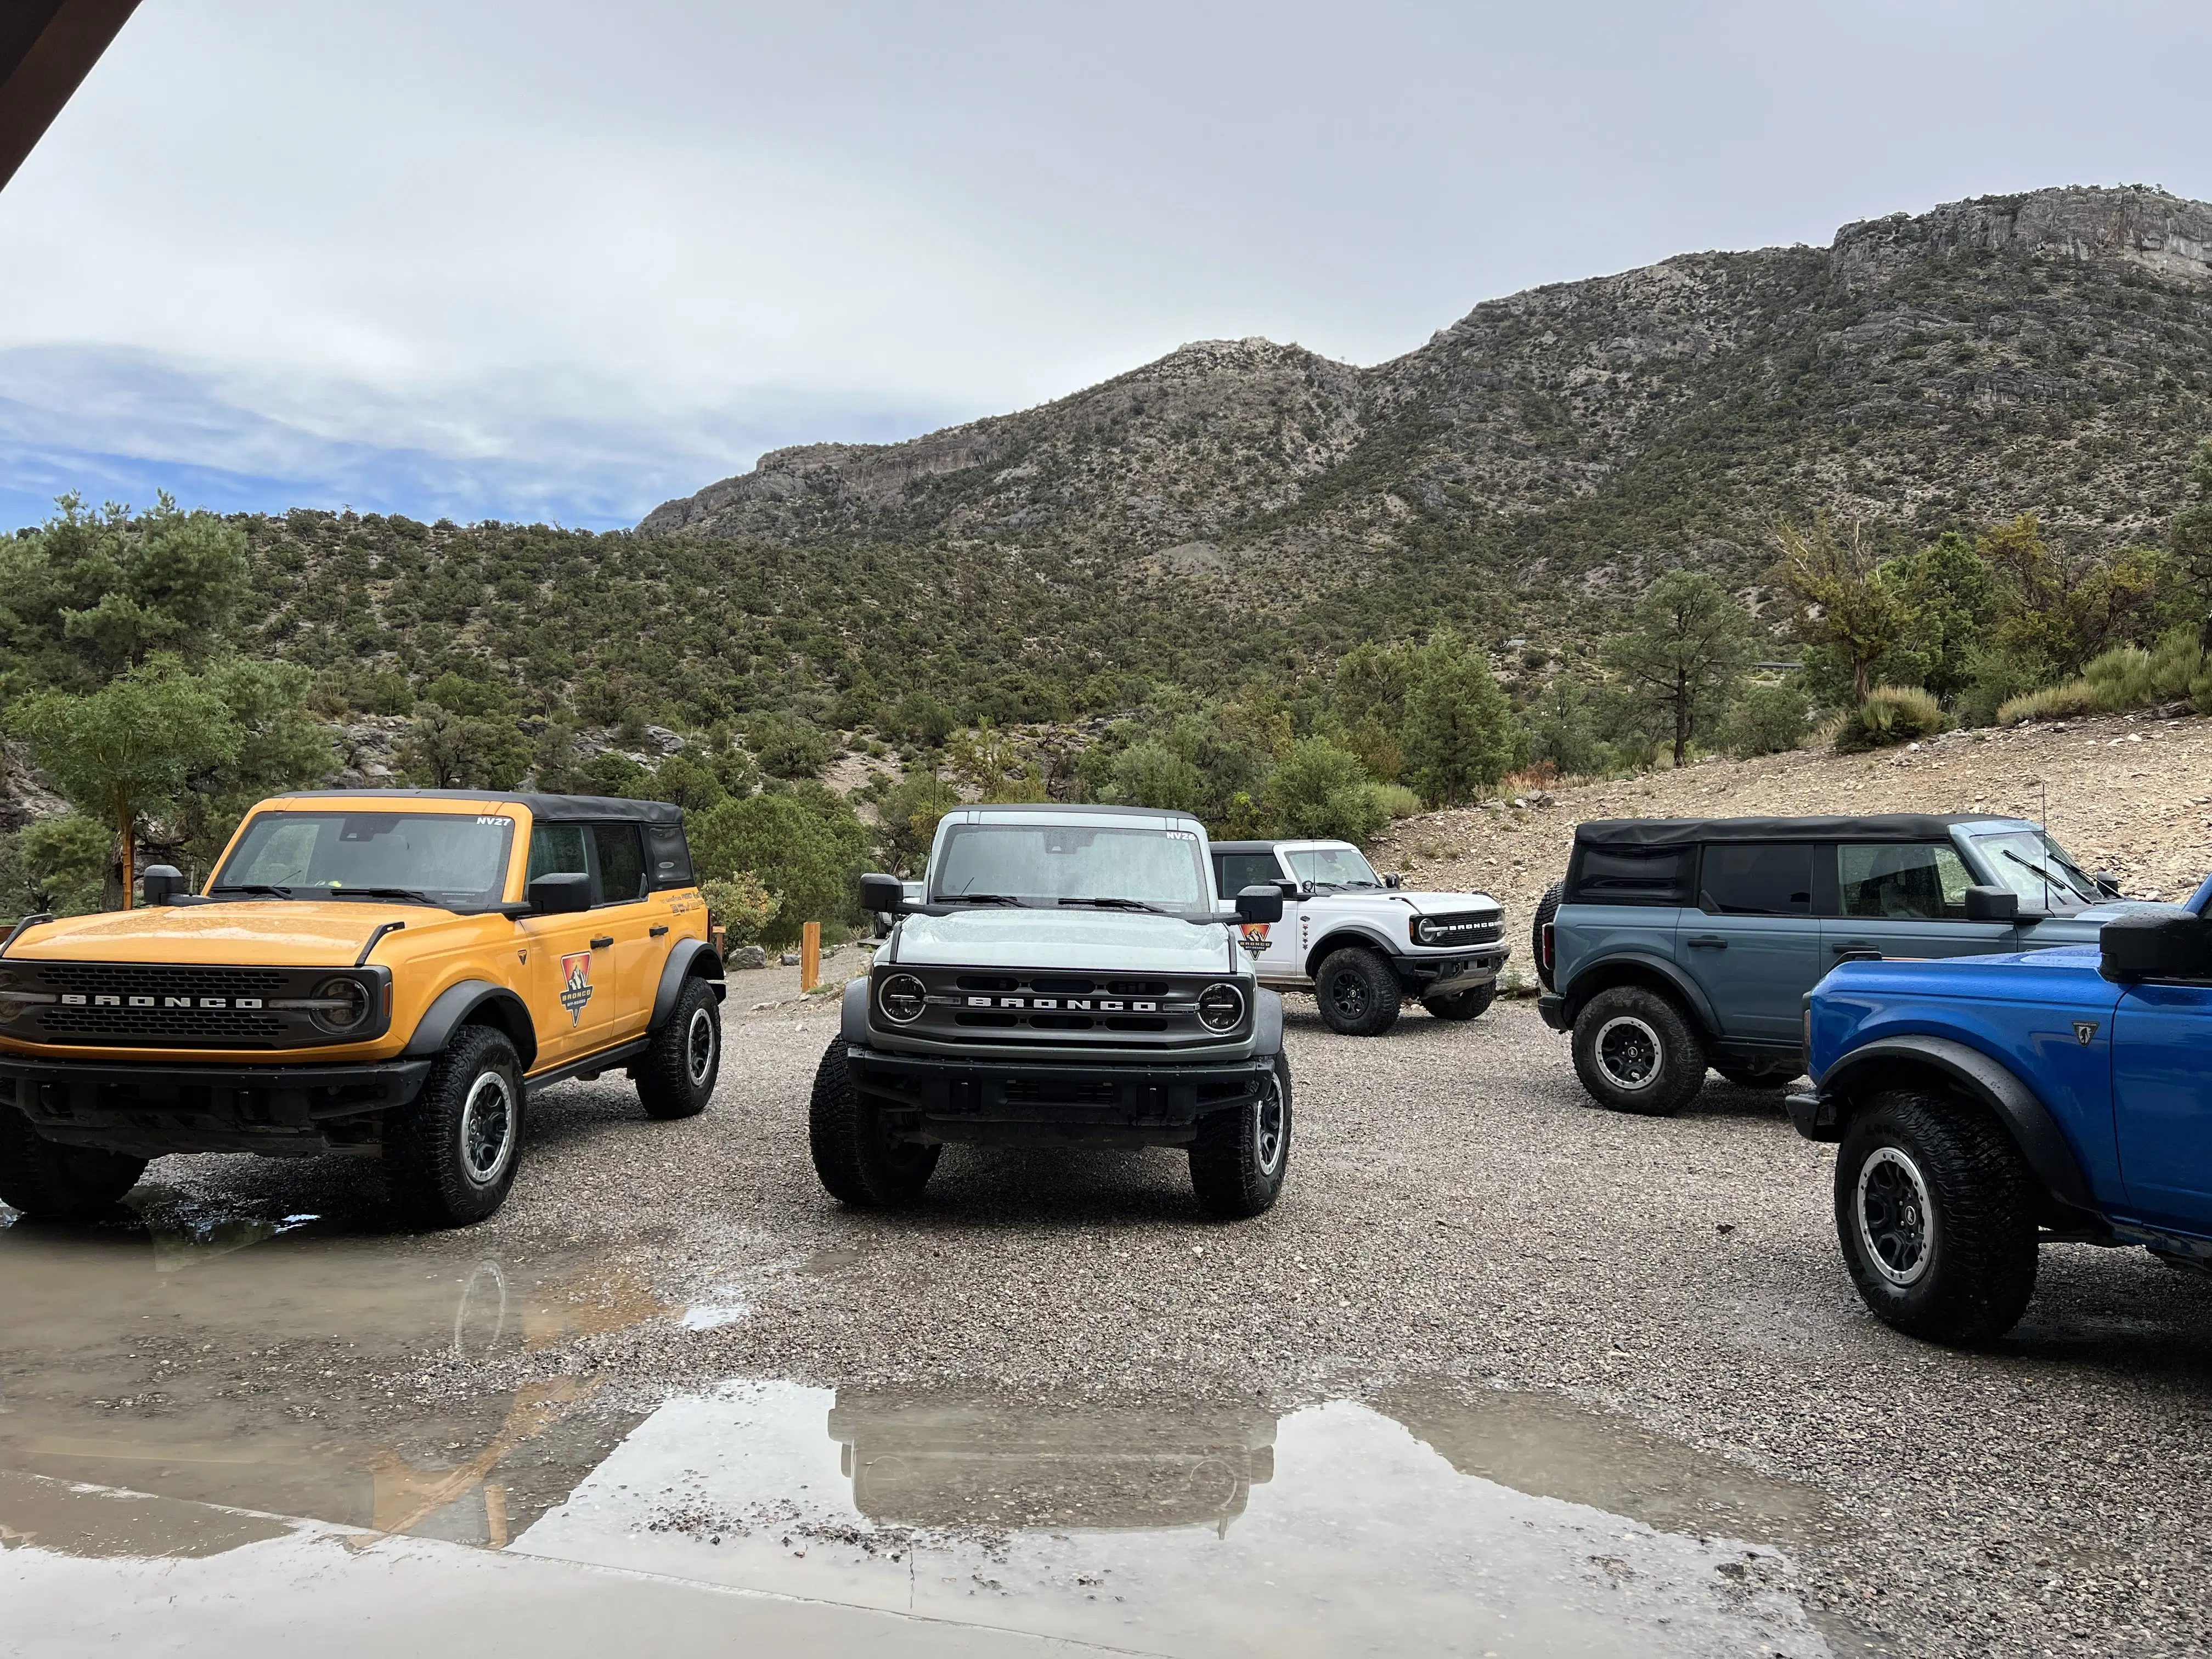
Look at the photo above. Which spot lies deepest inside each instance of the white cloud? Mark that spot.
(602, 248)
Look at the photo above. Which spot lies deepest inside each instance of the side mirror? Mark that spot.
(1394, 881)
(2155, 944)
(884, 893)
(560, 894)
(1260, 902)
(1993, 904)
(160, 883)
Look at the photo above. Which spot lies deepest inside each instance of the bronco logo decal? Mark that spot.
(576, 984)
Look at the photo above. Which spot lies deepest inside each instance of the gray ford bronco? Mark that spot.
(1677, 944)
(1068, 977)
(1360, 943)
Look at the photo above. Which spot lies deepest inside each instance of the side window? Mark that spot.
(1756, 881)
(556, 849)
(1238, 871)
(621, 863)
(1916, 883)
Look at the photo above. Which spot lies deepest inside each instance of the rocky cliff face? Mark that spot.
(2049, 351)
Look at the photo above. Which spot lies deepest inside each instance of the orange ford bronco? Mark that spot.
(387, 973)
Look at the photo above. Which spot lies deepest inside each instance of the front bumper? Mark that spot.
(1444, 976)
(1047, 1103)
(1815, 1115)
(151, 1110)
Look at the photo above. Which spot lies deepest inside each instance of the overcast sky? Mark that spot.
(560, 259)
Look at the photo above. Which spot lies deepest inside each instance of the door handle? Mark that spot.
(602, 941)
(656, 930)
(1849, 945)
(1709, 942)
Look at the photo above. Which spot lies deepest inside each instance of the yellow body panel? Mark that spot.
(436, 950)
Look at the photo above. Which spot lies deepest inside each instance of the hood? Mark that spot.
(1090, 940)
(271, 933)
(1421, 905)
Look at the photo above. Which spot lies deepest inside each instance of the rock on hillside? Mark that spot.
(2049, 351)
(2132, 795)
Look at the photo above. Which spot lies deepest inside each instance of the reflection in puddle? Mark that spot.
(178, 1362)
(1333, 1530)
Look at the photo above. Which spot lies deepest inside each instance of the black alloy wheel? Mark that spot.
(1357, 992)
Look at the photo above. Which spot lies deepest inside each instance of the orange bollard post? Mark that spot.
(809, 955)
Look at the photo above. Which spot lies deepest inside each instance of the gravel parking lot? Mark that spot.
(1457, 1215)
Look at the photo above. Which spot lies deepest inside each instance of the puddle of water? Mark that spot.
(180, 1361)
(1332, 1530)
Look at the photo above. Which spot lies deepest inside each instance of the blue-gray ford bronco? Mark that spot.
(1987, 1105)
(1067, 977)
(1680, 943)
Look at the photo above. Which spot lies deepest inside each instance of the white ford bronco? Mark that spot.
(1360, 944)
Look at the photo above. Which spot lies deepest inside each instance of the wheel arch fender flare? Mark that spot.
(1966, 1070)
(853, 1013)
(1267, 1022)
(691, 959)
(1638, 968)
(474, 1002)
(1350, 932)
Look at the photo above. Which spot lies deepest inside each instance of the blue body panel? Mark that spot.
(2124, 1073)
(2020, 1009)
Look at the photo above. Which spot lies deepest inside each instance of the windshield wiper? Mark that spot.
(412, 895)
(978, 898)
(269, 888)
(1119, 904)
(2050, 881)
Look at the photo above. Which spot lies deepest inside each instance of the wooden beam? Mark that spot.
(46, 49)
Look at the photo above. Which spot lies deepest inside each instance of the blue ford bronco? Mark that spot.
(1990, 1105)
(1675, 944)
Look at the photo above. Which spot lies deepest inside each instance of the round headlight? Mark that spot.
(902, 997)
(1422, 933)
(1220, 1007)
(341, 1003)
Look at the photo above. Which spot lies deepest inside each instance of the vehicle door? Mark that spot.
(1233, 873)
(1754, 941)
(628, 927)
(569, 985)
(1905, 899)
(2162, 1101)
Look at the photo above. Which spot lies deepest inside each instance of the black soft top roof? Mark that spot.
(1243, 847)
(545, 809)
(1684, 832)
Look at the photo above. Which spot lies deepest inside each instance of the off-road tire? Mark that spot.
(1631, 1032)
(49, 1182)
(1763, 1077)
(1462, 1005)
(1357, 993)
(1974, 1269)
(450, 1158)
(1546, 908)
(858, 1163)
(1240, 1158)
(675, 1074)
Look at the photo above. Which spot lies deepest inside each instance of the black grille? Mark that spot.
(189, 1028)
(176, 1006)
(975, 1006)
(1480, 927)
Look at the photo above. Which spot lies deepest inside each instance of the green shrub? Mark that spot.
(1323, 791)
(58, 864)
(740, 906)
(1894, 714)
(2066, 701)
(1767, 719)
(1153, 774)
(2127, 678)
(1395, 799)
(801, 841)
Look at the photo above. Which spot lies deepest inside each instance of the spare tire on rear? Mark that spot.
(1546, 908)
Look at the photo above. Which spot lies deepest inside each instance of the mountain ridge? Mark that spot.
(2047, 349)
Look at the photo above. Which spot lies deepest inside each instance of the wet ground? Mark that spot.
(1454, 1396)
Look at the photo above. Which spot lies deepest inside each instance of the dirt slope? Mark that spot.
(2131, 795)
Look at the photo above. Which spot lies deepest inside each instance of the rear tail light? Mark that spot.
(1549, 954)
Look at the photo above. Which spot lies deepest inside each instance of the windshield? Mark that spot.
(1045, 863)
(2033, 864)
(1332, 866)
(452, 860)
